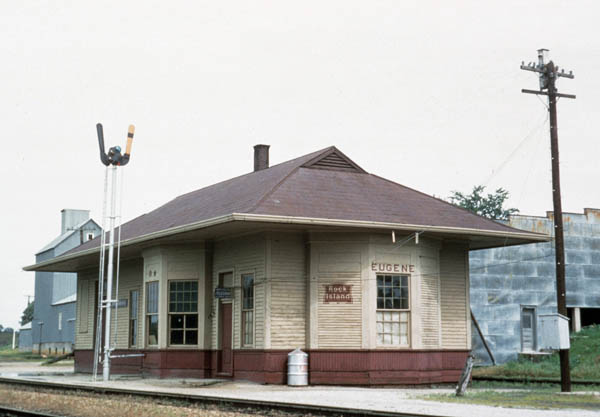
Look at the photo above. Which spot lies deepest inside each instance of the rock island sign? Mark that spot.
(338, 293)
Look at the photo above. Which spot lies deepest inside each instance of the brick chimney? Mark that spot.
(261, 157)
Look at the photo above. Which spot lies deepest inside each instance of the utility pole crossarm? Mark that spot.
(543, 93)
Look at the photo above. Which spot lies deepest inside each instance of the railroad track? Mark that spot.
(238, 403)
(15, 412)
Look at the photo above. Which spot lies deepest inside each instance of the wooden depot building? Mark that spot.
(227, 280)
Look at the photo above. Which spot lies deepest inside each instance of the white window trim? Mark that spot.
(409, 311)
(239, 277)
(182, 346)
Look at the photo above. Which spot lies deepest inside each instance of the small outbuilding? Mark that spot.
(367, 276)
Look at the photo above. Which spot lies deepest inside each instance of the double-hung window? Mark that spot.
(247, 309)
(133, 317)
(152, 313)
(183, 312)
(393, 310)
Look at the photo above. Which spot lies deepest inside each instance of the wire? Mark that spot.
(529, 135)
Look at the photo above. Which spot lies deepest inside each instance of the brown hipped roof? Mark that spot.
(322, 185)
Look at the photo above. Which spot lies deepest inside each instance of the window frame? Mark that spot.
(149, 316)
(407, 310)
(134, 327)
(183, 313)
(245, 311)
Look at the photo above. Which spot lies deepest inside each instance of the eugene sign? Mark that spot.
(338, 293)
(377, 267)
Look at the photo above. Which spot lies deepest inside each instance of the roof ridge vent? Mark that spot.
(334, 160)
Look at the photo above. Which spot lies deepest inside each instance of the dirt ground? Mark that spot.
(84, 404)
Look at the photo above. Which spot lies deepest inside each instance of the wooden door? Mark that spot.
(226, 356)
(528, 329)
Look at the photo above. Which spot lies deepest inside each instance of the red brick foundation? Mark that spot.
(334, 367)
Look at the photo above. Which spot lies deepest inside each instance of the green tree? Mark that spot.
(27, 314)
(490, 205)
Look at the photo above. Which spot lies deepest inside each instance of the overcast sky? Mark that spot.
(425, 93)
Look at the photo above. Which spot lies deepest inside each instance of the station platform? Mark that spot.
(387, 399)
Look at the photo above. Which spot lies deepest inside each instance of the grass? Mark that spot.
(584, 359)
(585, 365)
(542, 398)
(7, 354)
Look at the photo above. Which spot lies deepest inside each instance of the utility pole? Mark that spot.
(548, 73)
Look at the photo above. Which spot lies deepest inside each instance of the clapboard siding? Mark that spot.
(339, 324)
(130, 278)
(430, 303)
(453, 274)
(242, 255)
(86, 284)
(288, 292)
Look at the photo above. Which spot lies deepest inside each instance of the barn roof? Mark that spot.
(324, 188)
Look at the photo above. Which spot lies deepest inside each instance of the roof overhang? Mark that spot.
(236, 223)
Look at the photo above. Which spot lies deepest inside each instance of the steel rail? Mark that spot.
(216, 400)
(17, 412)
(533, 380)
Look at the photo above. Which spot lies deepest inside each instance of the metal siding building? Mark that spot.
(313, 253)
(53, 322)
(514, 285)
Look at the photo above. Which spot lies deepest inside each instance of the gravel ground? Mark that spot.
(384, 399)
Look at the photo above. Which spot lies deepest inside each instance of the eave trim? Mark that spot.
(264, 218)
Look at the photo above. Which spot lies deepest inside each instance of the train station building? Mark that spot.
(369, 277)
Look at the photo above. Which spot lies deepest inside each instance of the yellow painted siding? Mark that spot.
(430, 303)
(130, 278)
(339, 324)
(288, 292)
(84, 337)
(82, 308)
(241, 255)
(455, 308)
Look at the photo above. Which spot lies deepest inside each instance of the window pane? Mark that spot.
(191, 321)
(133, 305)
(133, 332)
(183, 296)
(191, 337)
(152, 297)
(153, 330)
(176, 337)
(247, 291)
(177, 321)
(380, 303)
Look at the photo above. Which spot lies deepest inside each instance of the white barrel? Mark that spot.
(297, 368)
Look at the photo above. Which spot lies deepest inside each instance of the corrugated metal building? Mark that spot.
(512, 286)
(25, 340)
(226, 280)
(53, 324)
